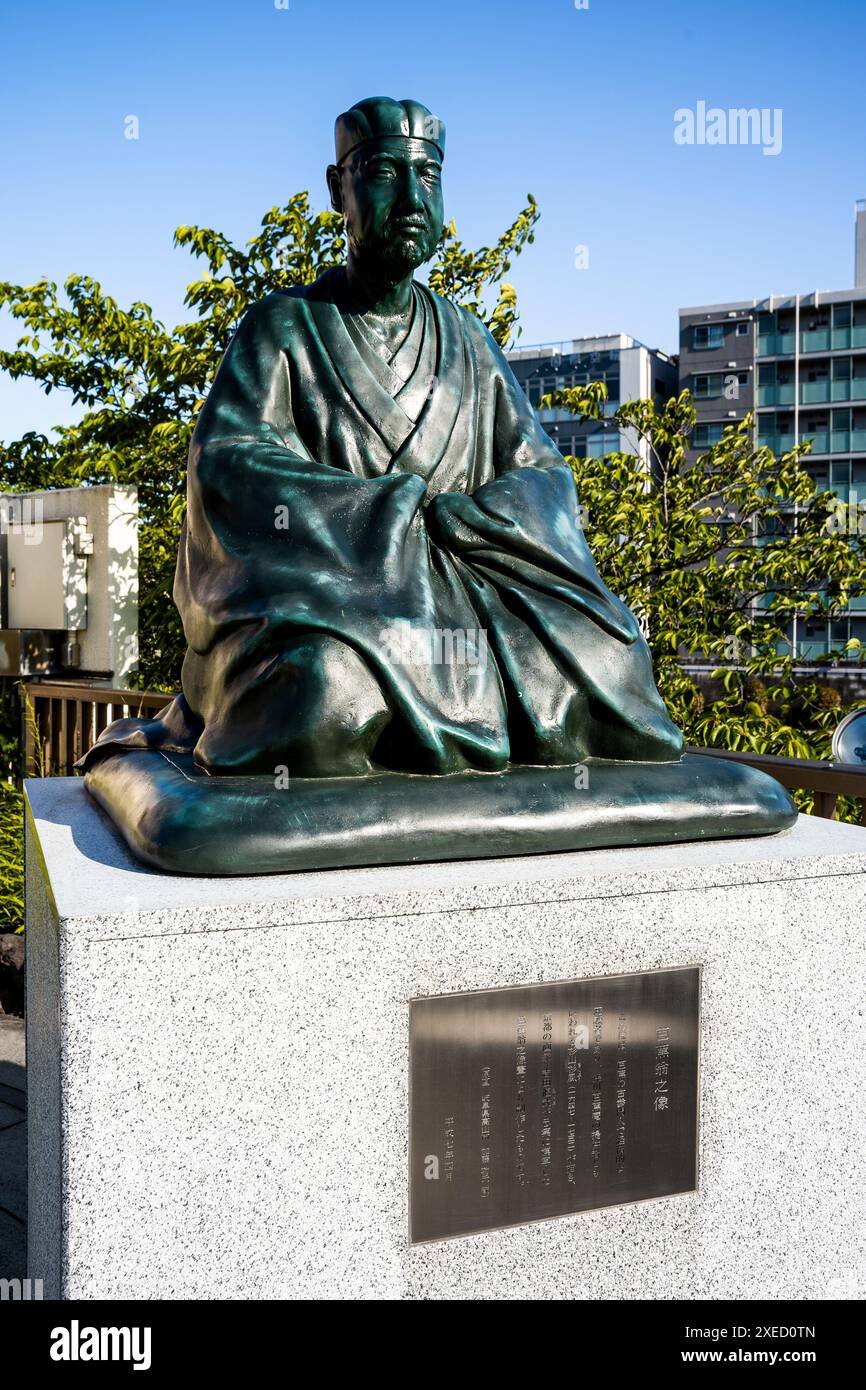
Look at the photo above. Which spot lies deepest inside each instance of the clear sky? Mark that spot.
(236, 101)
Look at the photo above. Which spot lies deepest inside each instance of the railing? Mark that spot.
(825, 392)
(816, 340)
(779, 443)
(818, 392)
(780, 394)
(62, 721)
(823, 442)
(67, 720)
(776, 344)
(827, 781)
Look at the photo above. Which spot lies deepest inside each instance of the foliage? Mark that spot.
(719, 555)
(11, 813)
(463, 276)
(11, 858)
(10, 732)
(142, 384)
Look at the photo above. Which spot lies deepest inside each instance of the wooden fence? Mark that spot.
(62, 721)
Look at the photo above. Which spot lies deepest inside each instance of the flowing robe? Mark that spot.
(382, 564)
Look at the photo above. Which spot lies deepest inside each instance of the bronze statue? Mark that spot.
(399, 645)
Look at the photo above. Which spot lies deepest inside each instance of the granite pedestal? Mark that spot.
(218, 1068)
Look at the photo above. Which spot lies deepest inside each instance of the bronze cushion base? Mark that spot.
(176, 818)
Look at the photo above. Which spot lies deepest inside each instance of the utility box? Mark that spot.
(48, 577)
(69, 583)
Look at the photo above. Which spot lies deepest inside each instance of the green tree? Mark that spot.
(720, 556)
(11, 814)
(142, 384)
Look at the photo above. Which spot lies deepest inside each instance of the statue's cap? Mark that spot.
(377, 118)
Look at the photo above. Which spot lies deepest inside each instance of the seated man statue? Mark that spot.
(399, 645)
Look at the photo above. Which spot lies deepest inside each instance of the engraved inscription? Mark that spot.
(544, 1100)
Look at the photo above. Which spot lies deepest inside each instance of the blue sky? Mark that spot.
(236, 101)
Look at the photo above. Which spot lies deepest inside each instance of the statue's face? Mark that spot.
(390, 193)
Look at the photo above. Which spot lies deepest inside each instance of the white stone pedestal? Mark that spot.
(218, 1067)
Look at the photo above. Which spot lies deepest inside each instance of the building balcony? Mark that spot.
(776, 344)
(833, 339)
(811, 340)
(823, 392)
(822, 442)
(819, 392)
(779, 443)
(816, 340)
(838, 441)
(558, 417)
(780, 394)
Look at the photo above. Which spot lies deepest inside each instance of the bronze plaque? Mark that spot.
(542, 1100)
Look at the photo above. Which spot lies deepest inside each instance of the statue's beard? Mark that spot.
(393, 255)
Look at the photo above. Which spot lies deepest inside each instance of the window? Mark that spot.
(605, 442)
(708, 335)
(572, 446)
(742, 330)
(708, 386)
(840, 477)
(707, 434)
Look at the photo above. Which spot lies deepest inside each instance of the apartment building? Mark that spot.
(629, 369)
(798, 361)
